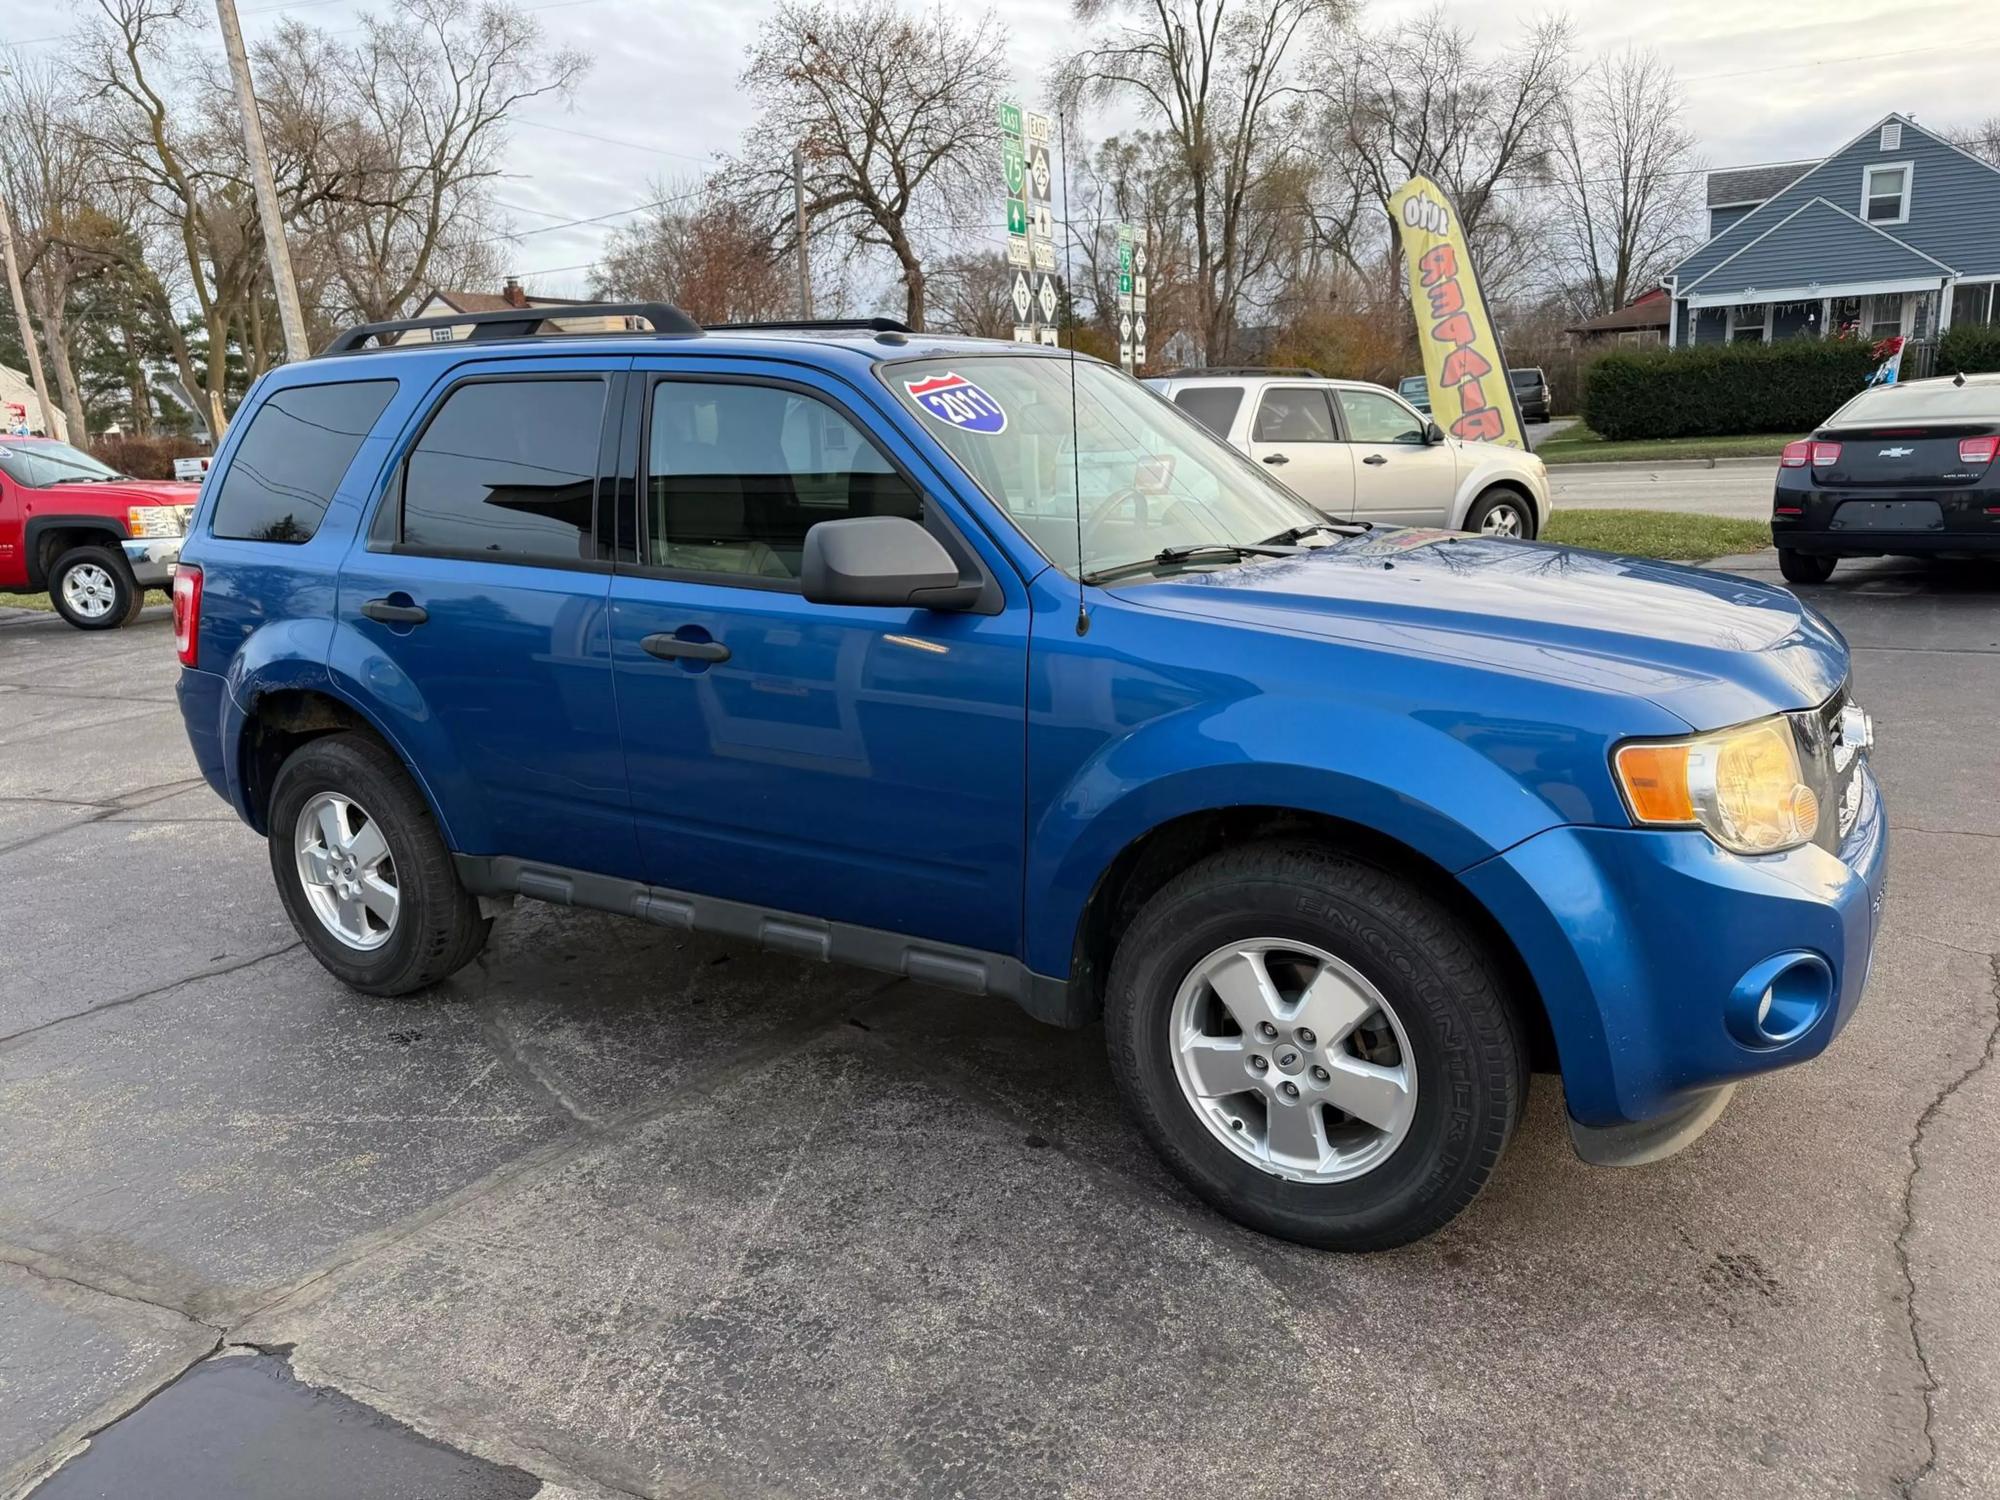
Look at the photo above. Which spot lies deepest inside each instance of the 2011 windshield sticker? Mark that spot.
(952, 398)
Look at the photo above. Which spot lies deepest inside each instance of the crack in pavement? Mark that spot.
(125, 802)
(1908, 1487)
(211, 972)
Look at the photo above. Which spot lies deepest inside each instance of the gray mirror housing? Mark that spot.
(882, 560)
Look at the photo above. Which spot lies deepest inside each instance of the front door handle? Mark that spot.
(1276, 458)
(391, 613)
(1375, 458)
(667, 647)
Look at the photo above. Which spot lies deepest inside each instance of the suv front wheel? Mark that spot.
(363, 872)
(1502, 512)
(1315, 1047)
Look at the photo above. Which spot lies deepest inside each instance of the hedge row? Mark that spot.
(146, 457)
(1969, 349)
(1711, 389)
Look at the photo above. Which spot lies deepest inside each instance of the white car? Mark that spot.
(1358, 452)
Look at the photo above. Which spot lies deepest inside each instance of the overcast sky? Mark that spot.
(1773, 80)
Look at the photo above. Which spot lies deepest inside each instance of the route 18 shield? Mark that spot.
(954, 399)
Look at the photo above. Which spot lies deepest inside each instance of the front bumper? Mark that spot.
(152, 559)
(1638, 941)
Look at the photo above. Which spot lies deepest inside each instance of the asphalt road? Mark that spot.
(1734, 487)
(620, 1212)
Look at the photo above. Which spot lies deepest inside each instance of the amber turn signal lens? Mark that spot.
(1656, 782)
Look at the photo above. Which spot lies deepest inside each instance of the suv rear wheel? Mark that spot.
(1804, 567)
(93, 588)
(363, 872)
(1315, 1047)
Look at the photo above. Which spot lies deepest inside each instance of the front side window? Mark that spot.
(507, 470)
(1103, 458)
(41, 462)
(1885, 195)
(1372, 418)
(283, 473)
(1294, 414)
(737, 474)
(1214, 406)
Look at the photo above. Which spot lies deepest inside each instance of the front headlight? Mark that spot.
(1745, 787)
(155, 520)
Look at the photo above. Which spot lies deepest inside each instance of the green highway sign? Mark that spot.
(1010, 120)
(1017, 169)
(1124, 283)
(1017, 216)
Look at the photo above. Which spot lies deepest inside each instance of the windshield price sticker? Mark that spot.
(952, 398)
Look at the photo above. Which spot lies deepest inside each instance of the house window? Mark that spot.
(1885, 194)
(1749, 323)
(1883, 318)
(1974, 303)
(1892, 136)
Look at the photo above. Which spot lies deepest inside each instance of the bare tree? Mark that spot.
(894, 116)
(1982, 140)
(709, 254)
(1218, 80)
(1623, 173)
(971, 294)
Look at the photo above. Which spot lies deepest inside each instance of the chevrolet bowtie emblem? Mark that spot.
(1896, 452)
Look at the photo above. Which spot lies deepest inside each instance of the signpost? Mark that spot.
(1029, 172)
(1131, 298)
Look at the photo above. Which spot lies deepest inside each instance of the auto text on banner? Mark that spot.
(1471, 396)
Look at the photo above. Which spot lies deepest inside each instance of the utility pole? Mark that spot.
(287, 290)
(27, 328)
(799, 229)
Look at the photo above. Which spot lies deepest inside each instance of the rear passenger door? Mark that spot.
(857, 764)
(475, 612)
(1294, 435)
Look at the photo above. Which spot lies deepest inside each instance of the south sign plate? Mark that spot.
(954, 400)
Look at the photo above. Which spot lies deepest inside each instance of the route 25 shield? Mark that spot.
(952, 398)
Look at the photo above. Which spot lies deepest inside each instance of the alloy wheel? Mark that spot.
(347, 871)
(90, 590)
(1504, 519)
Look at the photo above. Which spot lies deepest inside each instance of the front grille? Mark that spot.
(1833, 769)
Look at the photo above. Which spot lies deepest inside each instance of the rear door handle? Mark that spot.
(1276, 458)
(391, 613)
(667, 647)
(1374, 458)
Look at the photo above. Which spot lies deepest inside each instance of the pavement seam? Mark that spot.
(1931, 1385)
(125, 802)
(211, 972)
(522, 1069)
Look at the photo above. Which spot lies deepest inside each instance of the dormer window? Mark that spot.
(1885, 194)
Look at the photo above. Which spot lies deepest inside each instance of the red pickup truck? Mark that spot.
(94, 539)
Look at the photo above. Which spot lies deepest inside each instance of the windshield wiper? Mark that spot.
(1334, 528)
(1188, 552)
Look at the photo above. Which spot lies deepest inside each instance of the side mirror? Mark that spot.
(882, 560)
(1433, 434)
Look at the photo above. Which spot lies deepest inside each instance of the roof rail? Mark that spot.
(817, 325)
(1290, 371)
(667, 321)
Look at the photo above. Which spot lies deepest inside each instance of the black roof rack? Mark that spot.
(667, 321)
(817, 325)
(1289, 371)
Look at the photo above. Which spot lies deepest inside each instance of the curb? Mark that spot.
(1637, 465)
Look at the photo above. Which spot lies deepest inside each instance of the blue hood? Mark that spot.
(1711, 648)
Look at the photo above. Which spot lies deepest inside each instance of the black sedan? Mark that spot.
(1900, 471)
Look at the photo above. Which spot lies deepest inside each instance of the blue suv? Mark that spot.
(982, 664)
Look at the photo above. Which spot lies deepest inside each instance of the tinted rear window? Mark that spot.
(1214, 406)
(285, 470)
(1924, 400)
(1526, 377)
(507, 470)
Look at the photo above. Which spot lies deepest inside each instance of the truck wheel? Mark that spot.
(1804, 567)
(93, 588)
(1502, 512)
(1317, 1048)
(363, 872)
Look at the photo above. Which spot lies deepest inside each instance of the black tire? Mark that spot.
(127, 598)
(1496, 498)
(1805, 567)
(437, 929)
(1470, 1059)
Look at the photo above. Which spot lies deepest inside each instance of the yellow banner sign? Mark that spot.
(1470, 394)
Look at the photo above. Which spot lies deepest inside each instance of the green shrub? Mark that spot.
(1710, 389)
(1969, 348)
(146, 457)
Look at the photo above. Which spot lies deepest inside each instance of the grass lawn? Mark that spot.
(1579, 445)
(41, 601)
(1657, 533)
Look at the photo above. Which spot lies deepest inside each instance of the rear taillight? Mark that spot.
(1797, 455)
(187, 612)
(1825, 454)
(1977, 450)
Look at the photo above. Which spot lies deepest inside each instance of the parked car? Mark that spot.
(1531, 390)
(1899, 471)
(980, 664)
(93, 539)
(1359, 452)
(1416, 390)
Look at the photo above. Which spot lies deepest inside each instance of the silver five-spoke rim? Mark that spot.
(1502, 520)
(90, 590)
(1293, 1060)
(345, 867)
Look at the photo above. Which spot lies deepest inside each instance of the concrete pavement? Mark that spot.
(628, 1212)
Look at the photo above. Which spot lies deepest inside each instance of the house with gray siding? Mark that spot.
(1897, 232)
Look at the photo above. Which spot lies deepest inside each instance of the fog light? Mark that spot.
(1779, 1000)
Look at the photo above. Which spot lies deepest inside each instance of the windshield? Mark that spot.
(1413, 385)
(40, 462)
(1149, 477)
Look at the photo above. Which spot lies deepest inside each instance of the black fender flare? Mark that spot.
(113, 529)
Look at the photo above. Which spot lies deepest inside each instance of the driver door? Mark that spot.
(1294, 435)
(1399, 478)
